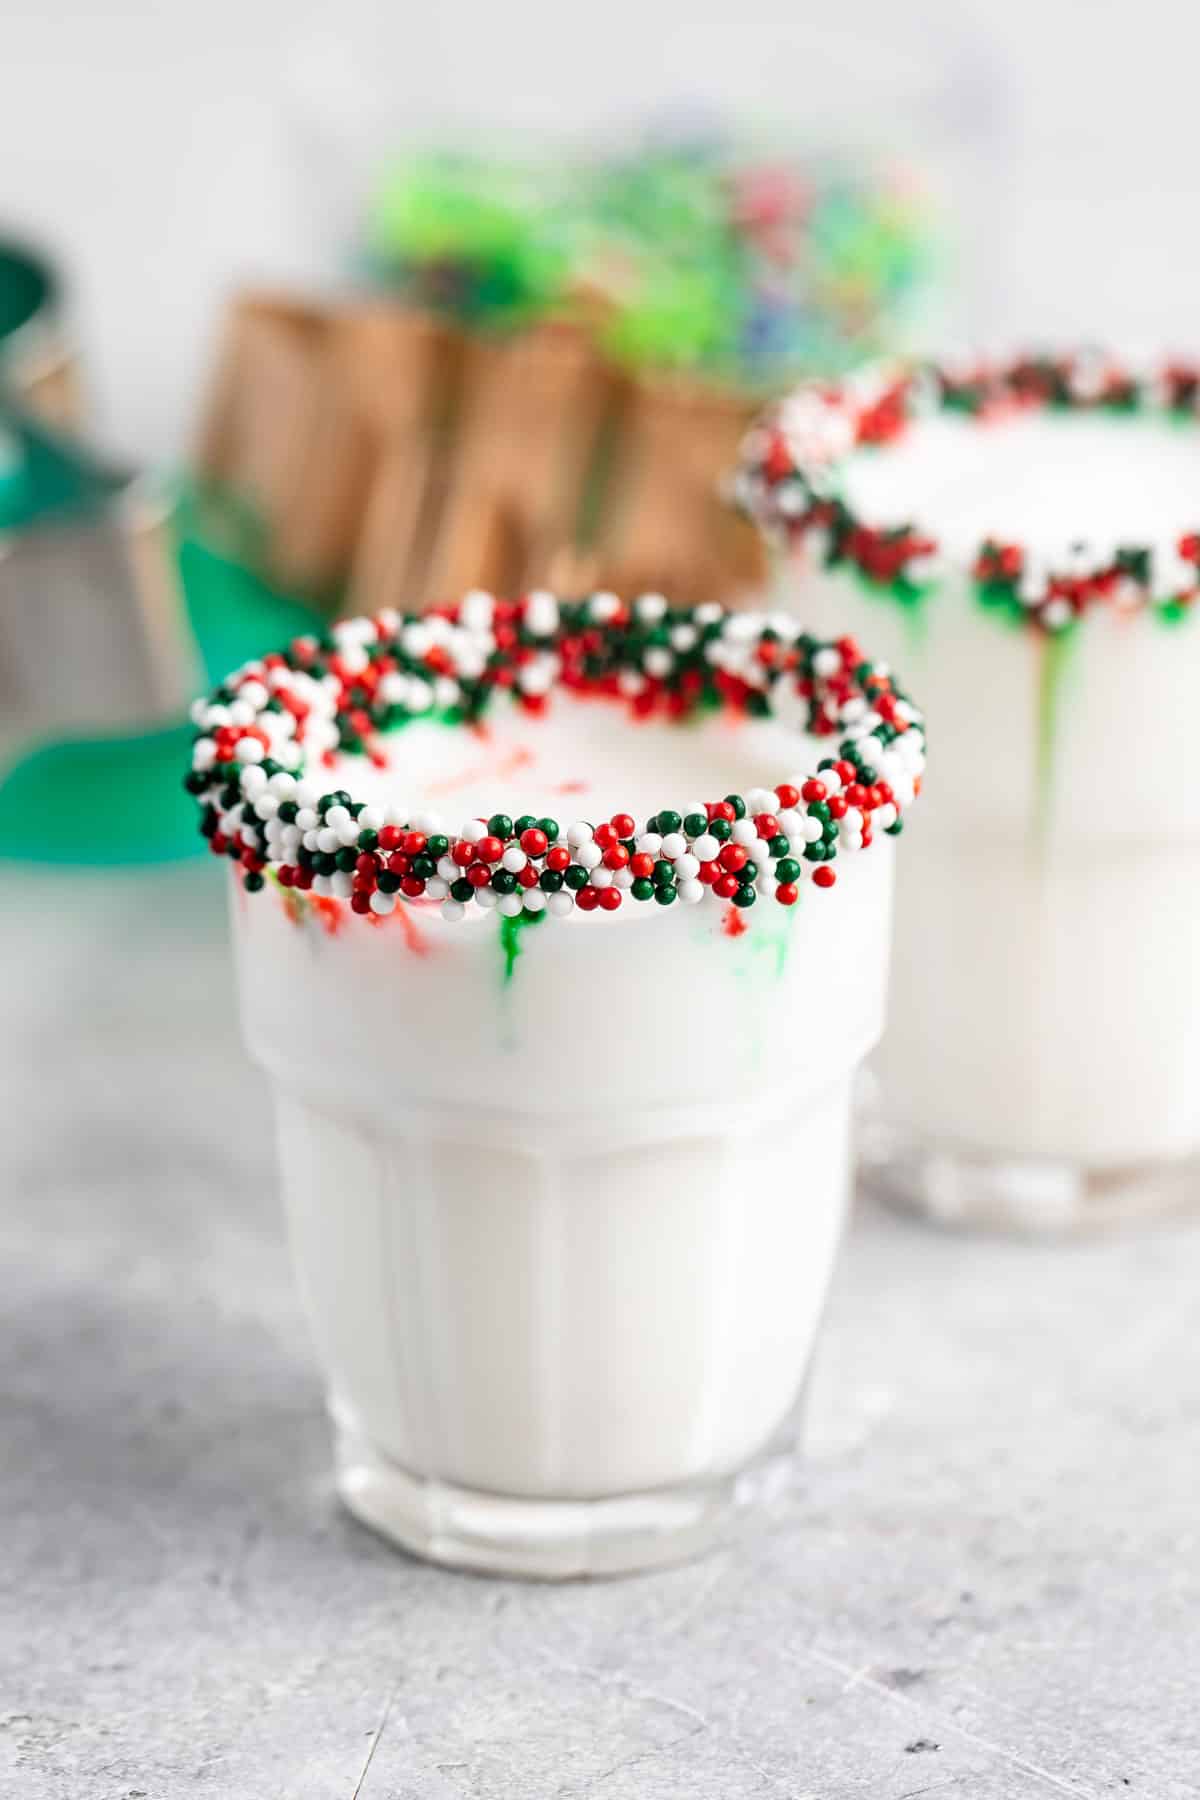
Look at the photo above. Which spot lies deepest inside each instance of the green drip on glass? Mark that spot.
(1055, 660)
(511, 932)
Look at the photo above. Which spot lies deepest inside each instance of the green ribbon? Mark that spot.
(42, 474)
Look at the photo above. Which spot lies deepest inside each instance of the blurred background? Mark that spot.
(166, 153)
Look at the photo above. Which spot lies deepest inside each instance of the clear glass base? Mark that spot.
(550, 1540)
(1025, 1196)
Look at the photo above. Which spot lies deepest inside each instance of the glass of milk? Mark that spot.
(560, 949)
(1024, 537)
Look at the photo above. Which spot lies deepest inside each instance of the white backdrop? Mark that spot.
(167, 151)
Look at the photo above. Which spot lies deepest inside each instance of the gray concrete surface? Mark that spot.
(985, 1583)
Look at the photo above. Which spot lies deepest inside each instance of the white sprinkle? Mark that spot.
(541, 613)
(477, 610)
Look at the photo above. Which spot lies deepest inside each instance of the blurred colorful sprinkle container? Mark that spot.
(562, 930)
(1026, 536)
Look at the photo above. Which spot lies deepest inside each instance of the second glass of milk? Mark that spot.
(1025, 538)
